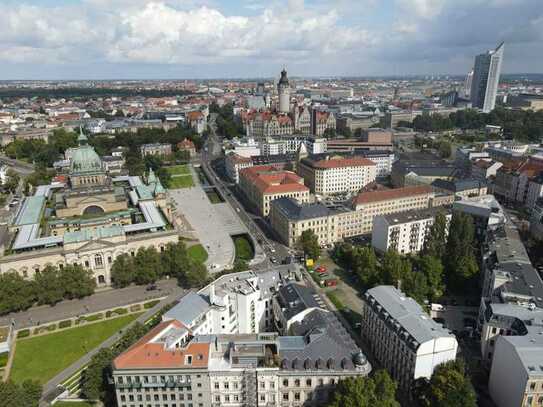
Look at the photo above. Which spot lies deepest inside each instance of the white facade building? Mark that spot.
(486, 76)
(403, 338)
(404, 232)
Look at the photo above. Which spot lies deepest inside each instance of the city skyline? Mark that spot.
(174, 39)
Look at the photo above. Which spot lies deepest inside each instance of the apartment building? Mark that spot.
(404, 339)
(233, 163)
(383, 202)
(483, 169)
(264, 183)
(355, 145)
(383, 160)
(511, 321)
(178, 365)
(328, 175)
(486, 212)
(289, 220)
(405, 232)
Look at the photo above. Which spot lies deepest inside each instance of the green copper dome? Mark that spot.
(85, 160)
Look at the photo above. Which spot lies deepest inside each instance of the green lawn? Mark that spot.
(42, 357)
(73, 404)
(180, 181)
(197, 252)
(244, 250)
(214, 197)
(178, 170)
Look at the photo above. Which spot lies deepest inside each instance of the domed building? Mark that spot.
(86, 168)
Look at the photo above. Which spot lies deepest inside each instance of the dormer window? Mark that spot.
(188, 360)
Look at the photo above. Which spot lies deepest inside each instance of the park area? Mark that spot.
(181, 177)
(42, 357)
(197, 253)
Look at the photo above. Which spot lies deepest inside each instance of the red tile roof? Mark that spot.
(185, 144)
(389, 194)
(269, 180)
(196, 115)
(337, 162)
(148, 354)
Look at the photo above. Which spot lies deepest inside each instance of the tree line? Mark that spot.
(148, 265)
(25, 394)
(447, 262)
(449, 386)
(525, 125)
(49, 286)
(227, 125)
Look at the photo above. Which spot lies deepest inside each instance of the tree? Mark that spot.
(122, 271)
(309, 243)
(415, 285)
(432, 269)
(450, 386)
(364, 264)
(49, 286)
(445, 149)
(460, 263)
(95, 385)
(436, 239)
(27, 394)
(175, 259)
(365, 392)
(16, 294)
(147, 267)
(77, 281)
(394, 268)
(196, 274)
(12, 181)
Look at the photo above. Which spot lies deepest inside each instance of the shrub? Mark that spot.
(150, 304)
(51, 327)
(94, 317)
(109, 314)
(24, 333)
(65, 324)
(120, 311)
(135, 308)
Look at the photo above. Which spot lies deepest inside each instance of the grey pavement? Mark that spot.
(52, 384)
(208, 224)
(18, 166)
(99, 301)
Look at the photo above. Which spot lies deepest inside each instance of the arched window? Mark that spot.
(101, 279)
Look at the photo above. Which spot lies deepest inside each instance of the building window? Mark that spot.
(98, 261)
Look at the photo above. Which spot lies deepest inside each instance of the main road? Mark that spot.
(272, 248)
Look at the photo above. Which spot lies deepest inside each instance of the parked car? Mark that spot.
(330, 282)
(151, 287)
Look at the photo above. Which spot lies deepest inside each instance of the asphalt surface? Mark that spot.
(99, 301)
(18, 166)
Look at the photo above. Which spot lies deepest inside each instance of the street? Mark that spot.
(99, 301)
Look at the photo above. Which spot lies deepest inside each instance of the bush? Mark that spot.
(65, 324)
(135, 308)
(120, 311)
(23, 334)
(109, 314)
(94, 317)
(150, 304)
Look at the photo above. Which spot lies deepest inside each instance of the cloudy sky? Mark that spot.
(74, 39)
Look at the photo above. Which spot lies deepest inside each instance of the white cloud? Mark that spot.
(423, 8)
(158, 32)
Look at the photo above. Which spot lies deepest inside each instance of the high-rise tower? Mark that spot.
(283, 88)
(486, 76)
(466, 90)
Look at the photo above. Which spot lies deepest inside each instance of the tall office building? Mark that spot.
(486, 75)
(466, 91)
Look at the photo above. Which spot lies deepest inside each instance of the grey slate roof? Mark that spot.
(295, 298)
(295, 212)
(190, 307)
(397, 308)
